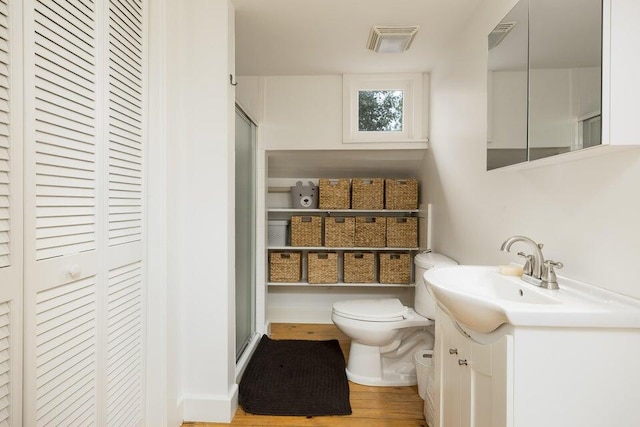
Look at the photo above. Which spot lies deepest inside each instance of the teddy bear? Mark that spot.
(304, 196)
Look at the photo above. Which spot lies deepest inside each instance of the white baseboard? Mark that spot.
(298, 315)
(210, 408)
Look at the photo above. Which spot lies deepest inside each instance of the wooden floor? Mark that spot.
(371, 406)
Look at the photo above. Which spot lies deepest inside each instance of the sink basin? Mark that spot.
(482, 299)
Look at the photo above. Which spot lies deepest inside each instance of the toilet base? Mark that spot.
(388, 379)
(368, 366)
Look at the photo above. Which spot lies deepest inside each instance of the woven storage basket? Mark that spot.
(359, 267)
(395, 268)
(402, 232)
(306, 231)
(335, 193)
(401, 194)
(370, 232)
(367, 193)
(322, 267)
(339, 232)
(284, 266)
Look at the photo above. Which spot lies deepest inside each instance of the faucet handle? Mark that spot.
(549, 278)
(551, 264)
(528, 263)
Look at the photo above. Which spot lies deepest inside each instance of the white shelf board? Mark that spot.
(326, 248)
(341, 210)
(341, 285)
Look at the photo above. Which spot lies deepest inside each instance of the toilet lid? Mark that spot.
(373, 310)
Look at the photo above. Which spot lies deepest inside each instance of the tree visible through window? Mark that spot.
(380, 110)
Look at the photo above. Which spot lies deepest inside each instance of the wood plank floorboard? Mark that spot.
(371, 406)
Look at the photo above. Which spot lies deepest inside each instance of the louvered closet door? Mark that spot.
(125, 124)
(62, 213)
(84, 297)
(11, 266)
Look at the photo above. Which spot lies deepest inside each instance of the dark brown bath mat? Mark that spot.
(295, 377)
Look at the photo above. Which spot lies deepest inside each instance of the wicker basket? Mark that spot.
(339, 232)
(402, 232)
(370, 232)
(401, 194)
(306, 231)
(395, 268)
(284, 266)
(335, 193)
(322, 267)
(359, 267)
(367, 193)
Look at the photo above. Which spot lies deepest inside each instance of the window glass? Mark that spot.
(380, 110)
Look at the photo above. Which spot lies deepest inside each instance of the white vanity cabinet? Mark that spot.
(536, 376)
(472, 378)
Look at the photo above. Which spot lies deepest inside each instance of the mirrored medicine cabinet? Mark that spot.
(544, 81)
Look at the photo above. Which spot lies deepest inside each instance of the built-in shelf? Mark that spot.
(363, 211)
(344, 285)
(326, 248)
(297, 287)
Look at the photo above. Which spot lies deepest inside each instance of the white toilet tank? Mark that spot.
(423, 302)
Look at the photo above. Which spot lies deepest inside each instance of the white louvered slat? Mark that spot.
(125, 121)
(5, 145)
(65, 122)
(65, 352)
(11, 257)
(124, 349)
(5, 363)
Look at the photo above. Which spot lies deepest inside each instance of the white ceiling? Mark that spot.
(310, 37)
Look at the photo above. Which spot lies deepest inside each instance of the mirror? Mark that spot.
(561, 45)
(565, 74)
(507, 89)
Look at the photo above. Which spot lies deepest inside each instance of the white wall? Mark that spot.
(301, 112)
(305, 113)
(585, 211)
(195, 159)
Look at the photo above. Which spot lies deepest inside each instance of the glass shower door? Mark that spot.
(245, 230)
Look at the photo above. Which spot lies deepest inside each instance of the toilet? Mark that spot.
(384, 333)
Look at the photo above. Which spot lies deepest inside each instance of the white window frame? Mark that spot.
(413, 100)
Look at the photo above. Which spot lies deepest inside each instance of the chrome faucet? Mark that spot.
(536, 270)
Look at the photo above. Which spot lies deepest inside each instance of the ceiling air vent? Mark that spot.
(386, 39)
(499, 32)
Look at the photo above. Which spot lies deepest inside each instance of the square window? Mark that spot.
(380, 110)
(385, 108)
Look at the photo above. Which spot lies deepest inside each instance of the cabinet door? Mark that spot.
(481, 388)
(456, 378)
(449, 390)
(473, 379)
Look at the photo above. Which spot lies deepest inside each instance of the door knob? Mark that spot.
(453, 351)
(462, 362)
(73, 271)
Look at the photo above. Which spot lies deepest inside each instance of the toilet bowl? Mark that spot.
(384, 333)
